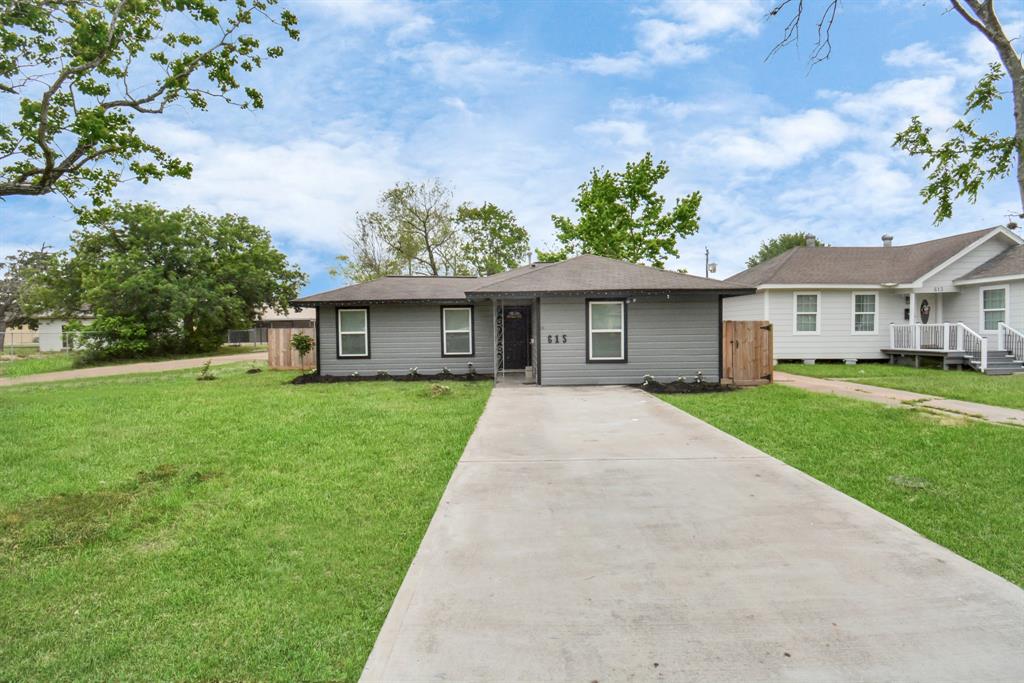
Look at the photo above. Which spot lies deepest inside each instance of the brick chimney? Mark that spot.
(886, 240)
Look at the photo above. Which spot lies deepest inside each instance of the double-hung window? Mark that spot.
(606, 331)
(805, 313)
(993, 308)
(353, 333)
(865, 313)
(457, 331)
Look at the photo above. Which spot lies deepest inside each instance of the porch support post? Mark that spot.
(913, 321)
(494, 337)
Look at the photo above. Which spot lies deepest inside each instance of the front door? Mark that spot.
(517, 337)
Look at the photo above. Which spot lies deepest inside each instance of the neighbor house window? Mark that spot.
(353, 333)
(865, 313)
(457, 331)
(993, 308)
(805, 319)
(606, 331)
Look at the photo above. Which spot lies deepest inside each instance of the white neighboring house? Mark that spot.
(959, 298)
(49, 334)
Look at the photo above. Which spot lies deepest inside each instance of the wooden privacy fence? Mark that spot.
(747, 355)
(281, 355)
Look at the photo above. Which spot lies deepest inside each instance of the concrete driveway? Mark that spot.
(599, 534)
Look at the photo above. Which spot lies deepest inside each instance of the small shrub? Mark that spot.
(439, 390)
(205, 373)
(302, 343)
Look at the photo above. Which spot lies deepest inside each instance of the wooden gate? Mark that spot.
(281, 355)
(747, 355)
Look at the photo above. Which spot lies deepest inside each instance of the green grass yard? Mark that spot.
(30, 361)
(965, 385)
(153, 527)
(955, 481)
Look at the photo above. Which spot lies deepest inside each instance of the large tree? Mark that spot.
(780, 245)
(622, 215)
(75, 74)
(493, 241)
(960, 166)
(160, 281)
(21, 291)
(414, 231)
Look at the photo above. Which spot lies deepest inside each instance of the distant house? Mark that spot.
(48, 335)
(587, 320)
(958, 298)
(301, 318)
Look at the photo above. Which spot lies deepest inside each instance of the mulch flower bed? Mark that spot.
(683, 387)
(385, 377)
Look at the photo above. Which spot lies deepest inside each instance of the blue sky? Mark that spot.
(514, 103)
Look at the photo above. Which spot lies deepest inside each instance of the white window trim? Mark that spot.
(853, 314)
(365, 333)
(445, 331)
(981, 306)
(817, 313)
(621, 330)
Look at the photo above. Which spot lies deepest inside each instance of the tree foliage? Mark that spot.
(621, 215)
(22, 296)
(779, 245)
(414, 231)
(161, 281)
(78, 73)
(960, 166)
(493, 241)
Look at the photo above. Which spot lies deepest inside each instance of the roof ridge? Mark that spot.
(526, 271)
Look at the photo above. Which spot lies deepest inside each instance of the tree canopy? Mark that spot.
(22, 297)
(160, 281)
(622, 216)
(78, 73)
(415, 231)
(779, 245)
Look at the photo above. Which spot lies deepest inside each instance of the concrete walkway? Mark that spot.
(131, 368)
(902, 399)
(600, 534)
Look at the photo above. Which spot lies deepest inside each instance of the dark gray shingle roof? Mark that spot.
(395, 288)
(1010, 262)
(582, 275)
(856, 265)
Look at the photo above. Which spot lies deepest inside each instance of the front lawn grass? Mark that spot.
(955, 481)
(36, 362)
(153, 527)
(965, 385)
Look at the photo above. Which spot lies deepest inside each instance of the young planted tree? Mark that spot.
(962, 165)
(779, 245)
(161, 281)
(302, 343)
(77, 73)
(493, 241)
(621, 215)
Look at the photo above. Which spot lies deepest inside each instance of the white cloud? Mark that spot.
(672, 34)
(888, 106)
(776, 142)
(467, 64)
(402, 19)
(920, 55)
(631, 134)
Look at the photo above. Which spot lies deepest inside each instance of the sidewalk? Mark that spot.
(902, 399)
(131, 368)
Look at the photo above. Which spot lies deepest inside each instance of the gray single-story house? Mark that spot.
(586, 320)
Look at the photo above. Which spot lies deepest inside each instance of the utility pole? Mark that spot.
(709, 267)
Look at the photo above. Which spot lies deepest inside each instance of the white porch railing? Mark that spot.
(945, 337)
(1011, 341)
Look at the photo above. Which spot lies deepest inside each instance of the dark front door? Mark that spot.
(517, 337)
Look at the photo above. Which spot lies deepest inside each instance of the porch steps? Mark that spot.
(999, 363)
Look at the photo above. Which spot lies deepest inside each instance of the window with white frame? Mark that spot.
(805, 310)
(457, 331)
(606, 331)
(865, 313)
(993, 308)
(353, 333)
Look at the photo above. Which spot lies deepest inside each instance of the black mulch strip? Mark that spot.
(385, 377)
(656, 387)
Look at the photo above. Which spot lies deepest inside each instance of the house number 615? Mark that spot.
(554, 339)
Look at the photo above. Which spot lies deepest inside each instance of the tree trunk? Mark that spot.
(986, 21)
(3, 332)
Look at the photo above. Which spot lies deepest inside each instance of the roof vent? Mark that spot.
(886, 240)
(811, 241)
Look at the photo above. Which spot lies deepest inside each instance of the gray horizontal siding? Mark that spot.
(403, 336)
(665, 338)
